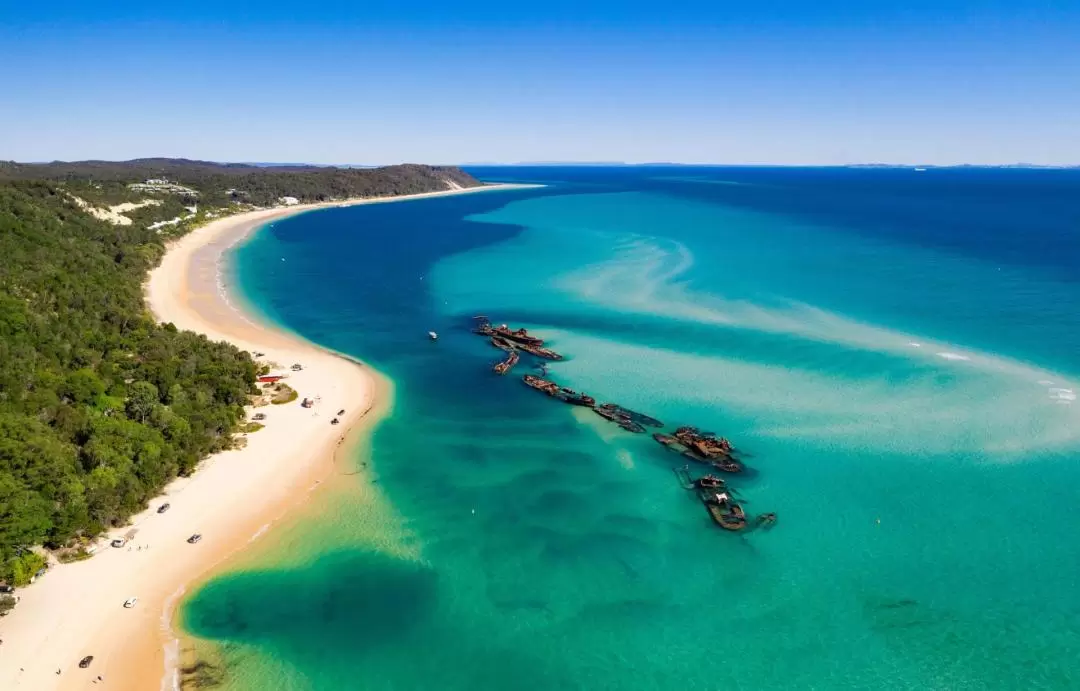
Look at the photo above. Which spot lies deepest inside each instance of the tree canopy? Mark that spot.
(100, 406)
(219, 184)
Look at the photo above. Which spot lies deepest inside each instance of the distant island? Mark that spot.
(100, 406)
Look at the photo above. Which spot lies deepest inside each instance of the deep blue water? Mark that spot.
(895, 349)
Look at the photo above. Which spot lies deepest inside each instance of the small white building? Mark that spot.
(288, 201)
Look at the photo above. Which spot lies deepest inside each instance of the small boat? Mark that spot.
(433, 336)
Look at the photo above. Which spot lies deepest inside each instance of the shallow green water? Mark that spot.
(894, 362)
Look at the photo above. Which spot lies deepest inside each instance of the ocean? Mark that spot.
(893, 351)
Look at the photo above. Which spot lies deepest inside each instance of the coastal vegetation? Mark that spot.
(216, 184)
(283, 393)
(100, 406)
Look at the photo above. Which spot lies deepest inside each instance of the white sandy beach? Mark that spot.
(77, 609)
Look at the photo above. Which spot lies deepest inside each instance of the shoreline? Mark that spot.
(233, 498)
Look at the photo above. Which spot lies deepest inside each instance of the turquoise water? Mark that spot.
(895, 351)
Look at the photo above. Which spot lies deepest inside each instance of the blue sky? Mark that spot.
(780, 81)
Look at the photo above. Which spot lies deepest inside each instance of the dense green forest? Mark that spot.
(219, 184)
(100, 406)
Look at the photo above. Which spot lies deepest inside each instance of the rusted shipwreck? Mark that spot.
(620, 420)
(702, 447)
(543, 385)
(505, 338)
(705, 482)
(560, 392)
(725, 513)
(519, 336)
(506, 365)
(629, 420)
(719, 500)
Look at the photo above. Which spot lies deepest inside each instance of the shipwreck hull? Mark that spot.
(733, 519)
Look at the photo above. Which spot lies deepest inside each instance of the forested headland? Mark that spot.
(221, 184)
(100, 407)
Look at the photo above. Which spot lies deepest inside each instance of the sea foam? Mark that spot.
(953, 356)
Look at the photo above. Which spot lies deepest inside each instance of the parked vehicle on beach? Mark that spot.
(119, 542)
(195, 538)
(163, 508)
(85, 662)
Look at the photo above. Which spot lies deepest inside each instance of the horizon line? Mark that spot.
(582, 163)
